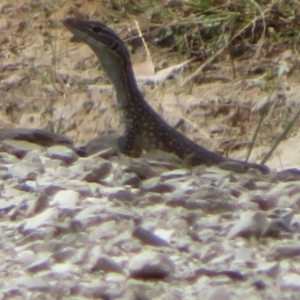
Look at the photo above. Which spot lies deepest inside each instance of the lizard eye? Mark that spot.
(97, 29)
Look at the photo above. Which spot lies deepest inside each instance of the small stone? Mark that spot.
(62, 153)
(35, 136)
(151, 265)
(217, 293)
(178, 173)
(98, 172)
(250, 224)
(39, 265)
(260, 284)
(142, 169)
(147, 237)
(25, 170)
(104, 231)
(60, 256)
(6, 158)
(265, 202)
(162, 159)
(280, 251)
(47, 217)
(26, 257)
(101, 144)
(155, 186)
(66, 199)
(289, 175)
(92, 291)
(106, 264)
(17, 148)
(6, 206)
(34, 284)
(291, 281)
(275, 227)
(122, 195)
(131, 179)
(271, 269)
(39, 204)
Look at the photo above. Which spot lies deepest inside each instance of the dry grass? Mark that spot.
(243, 50)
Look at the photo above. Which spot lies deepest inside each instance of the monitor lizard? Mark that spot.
(145, 129)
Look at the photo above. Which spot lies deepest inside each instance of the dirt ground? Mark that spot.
(48, 81)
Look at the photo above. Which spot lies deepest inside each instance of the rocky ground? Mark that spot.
(112, 227)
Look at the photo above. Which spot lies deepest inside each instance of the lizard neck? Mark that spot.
(120, 73)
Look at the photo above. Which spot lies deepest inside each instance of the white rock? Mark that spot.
(66, 199)
(148, 264)
(47, 217)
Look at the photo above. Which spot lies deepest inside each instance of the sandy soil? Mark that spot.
(50, 82)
